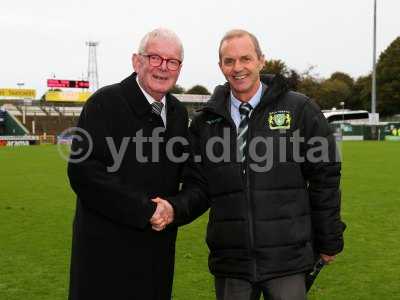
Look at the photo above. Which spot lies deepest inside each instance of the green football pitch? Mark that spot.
(37, 207)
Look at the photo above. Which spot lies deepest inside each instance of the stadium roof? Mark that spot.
(189, 98)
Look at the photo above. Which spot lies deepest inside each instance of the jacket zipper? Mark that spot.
(245, 169)
(249, 202)
(248, 195)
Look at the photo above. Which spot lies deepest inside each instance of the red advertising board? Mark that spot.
(61, 83)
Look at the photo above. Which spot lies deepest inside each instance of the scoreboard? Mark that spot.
(61, 83)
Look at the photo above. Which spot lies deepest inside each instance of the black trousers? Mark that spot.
(284, 288)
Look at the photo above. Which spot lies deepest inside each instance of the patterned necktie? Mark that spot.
(156, 108)
(244, 109)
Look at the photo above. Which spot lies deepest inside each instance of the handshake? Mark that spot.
(163, 215)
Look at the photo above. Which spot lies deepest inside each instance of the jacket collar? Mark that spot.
(138, 102)
(219, 100)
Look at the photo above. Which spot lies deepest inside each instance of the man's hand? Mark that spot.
(327, 258)
(163, 215)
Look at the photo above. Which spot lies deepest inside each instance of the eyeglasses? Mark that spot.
(156, 61)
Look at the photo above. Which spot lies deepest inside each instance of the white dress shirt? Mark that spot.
(235, 103)
(149, 98)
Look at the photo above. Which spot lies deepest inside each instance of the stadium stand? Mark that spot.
(46, 121)
(50, 125)
(51, 119)
(2, 121)
(40, 119)
(12, 109)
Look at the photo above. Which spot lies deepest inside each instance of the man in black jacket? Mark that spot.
(115, 172)
(264, 160)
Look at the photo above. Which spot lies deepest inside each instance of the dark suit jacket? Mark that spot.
(115, 253)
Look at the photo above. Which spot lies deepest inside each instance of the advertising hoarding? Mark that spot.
(17, 93)
(67, 96)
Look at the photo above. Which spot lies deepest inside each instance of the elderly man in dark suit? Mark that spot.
(118, 164)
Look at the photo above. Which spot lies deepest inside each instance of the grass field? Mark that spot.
(37, 206)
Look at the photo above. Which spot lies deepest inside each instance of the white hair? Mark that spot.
(160, 33)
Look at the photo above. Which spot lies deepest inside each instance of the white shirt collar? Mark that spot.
(149, 97)
(253, 101)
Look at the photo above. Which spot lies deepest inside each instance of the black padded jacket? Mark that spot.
(271, 215)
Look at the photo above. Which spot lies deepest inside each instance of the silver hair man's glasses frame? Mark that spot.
(156, 61)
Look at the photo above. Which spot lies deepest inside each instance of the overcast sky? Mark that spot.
(39, 38)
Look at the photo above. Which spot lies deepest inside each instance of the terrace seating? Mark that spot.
(53, 118)
(49, 119)
(51, 125)
(12, 109)
(2, 116)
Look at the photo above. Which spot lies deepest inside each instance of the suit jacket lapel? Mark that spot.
(141, 107)
(134, 96)
(171, 115)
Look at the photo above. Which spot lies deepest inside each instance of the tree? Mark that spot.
(275, 66)
(198, 90)
(387, 84)
(332, 92)
(329, 92)
(294, 80)
(347, 94)
(309, 86)
(360, 97)
(346, 78)
(177, 89)
(388, 80)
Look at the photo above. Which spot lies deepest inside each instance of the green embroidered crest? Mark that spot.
(279, 119)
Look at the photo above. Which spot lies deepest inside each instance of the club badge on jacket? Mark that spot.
(279, 119)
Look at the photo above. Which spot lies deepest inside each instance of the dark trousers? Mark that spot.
(284, 288)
